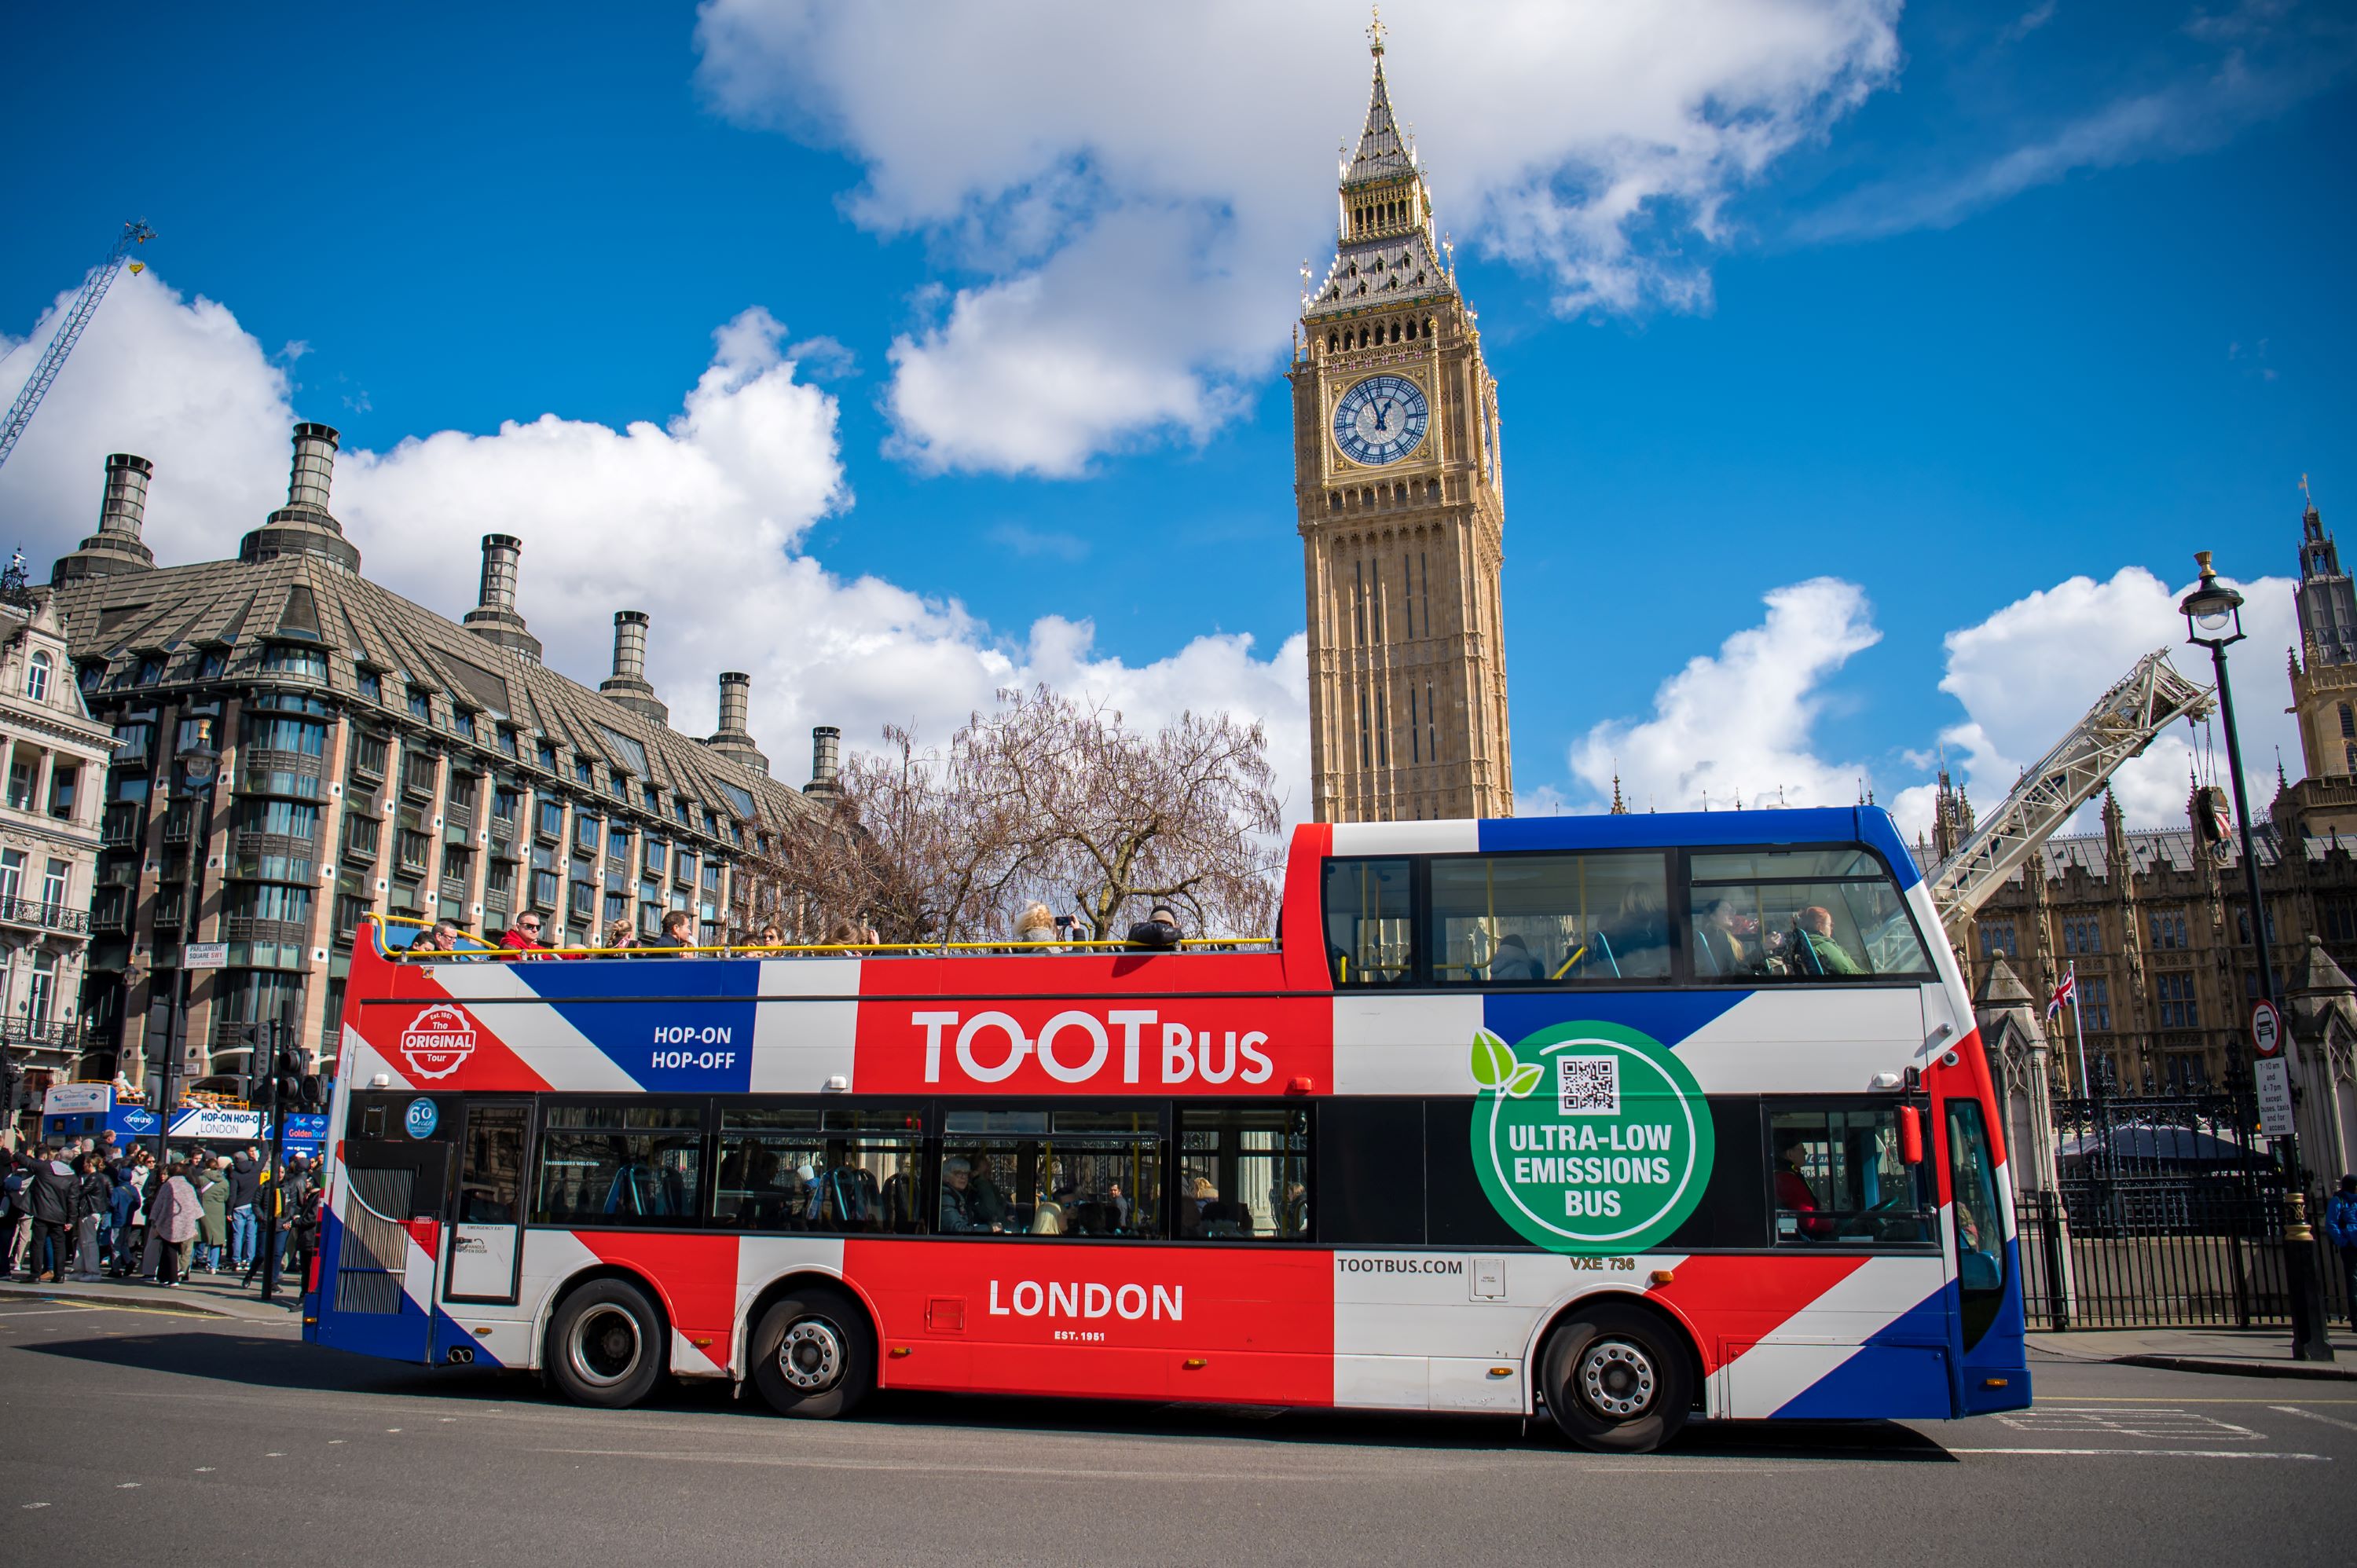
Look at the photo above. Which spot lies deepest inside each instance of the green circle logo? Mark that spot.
(1589, 1137)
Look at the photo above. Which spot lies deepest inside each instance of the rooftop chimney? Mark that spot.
(732, 741)
(826, 748)
(494, 618)
(116, 546)
(628, 684)
(304, 525)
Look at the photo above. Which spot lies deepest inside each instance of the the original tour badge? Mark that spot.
(1589, 1137)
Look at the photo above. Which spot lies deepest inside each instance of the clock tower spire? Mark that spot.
(1402, 507)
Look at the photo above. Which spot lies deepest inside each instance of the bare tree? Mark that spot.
(1110, 821)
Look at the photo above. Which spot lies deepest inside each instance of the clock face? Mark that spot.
(1381, 420)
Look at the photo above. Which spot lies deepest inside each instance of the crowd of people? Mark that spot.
(88, 1209)
(1036, 930)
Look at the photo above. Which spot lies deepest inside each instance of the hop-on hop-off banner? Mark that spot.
(1589, 1137)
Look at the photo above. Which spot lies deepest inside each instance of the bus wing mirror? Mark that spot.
(1911, 1135)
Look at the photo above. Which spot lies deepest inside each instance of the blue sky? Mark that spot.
(1948, 305)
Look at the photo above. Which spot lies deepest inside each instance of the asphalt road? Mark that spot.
(127, 1431)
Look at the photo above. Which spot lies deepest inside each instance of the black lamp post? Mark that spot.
(2213, 619)
(200, 768)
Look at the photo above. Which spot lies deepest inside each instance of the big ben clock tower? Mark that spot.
(1402, 505)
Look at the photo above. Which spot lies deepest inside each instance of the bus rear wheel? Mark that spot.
(605, 1344)
(813, 1355)
(1617, 1380)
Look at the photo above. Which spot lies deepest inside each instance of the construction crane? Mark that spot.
(93, 289)
(2124, 721)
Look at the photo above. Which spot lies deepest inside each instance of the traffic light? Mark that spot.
(255, 1037)
(288, 1071)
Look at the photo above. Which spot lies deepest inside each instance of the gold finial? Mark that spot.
(2306, 494)
(1375, 31)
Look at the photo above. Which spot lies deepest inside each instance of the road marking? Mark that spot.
(204, 1469)
(2149, 1453)
(40, 1312)
(126, 1486)
(1555, 1462)
(37, 1505)
(2328, 1420)
(2103, 1418)
(274, 1456)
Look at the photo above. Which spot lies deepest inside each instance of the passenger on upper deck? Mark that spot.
(522, 939)
(1814, 926)
(1723, 931)
(441, 936)
(1034, 929)
(620, 936)
(1158, 931)
(678, 936)
(770, 936)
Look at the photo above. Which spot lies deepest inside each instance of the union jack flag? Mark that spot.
(2064, 993)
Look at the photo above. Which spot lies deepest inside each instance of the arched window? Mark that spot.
(1395, 332)
(1334, 341)
(2349, 753)
(2348, 723)
(1362, 336)
(37, 678)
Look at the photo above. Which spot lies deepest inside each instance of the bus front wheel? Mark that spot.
(813, 1355)
(1617, 1380)
(605, 1344)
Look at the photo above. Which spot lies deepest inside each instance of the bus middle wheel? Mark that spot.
(605, 1344)
(1617, 1380)
(813, 1355)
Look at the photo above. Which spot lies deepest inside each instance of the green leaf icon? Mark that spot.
(1527, 1077)
(1493, 1060)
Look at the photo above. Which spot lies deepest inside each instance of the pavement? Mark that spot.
(2229, 1352)
(205, 1296)
(233, 1440)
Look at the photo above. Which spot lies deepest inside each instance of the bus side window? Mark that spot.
(1370, 923)
(1244, 1173)
(1837, 1178)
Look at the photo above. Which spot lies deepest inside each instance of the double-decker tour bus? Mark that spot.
(1626, 1119)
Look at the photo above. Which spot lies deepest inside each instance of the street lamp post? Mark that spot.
(2213, 619)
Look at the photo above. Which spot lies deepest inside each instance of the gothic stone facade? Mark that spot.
(373, 756)
(1402, 510)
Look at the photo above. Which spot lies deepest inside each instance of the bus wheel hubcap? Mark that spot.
(605, 1348)
(812, 1356)
(1617, 1378)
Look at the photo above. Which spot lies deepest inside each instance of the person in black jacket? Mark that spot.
(1159, 931)
(244, 1223)
(56, 1191)
(92, 1191)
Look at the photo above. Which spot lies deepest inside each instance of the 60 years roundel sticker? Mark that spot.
(1589, 1137)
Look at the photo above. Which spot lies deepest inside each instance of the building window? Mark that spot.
(656, 850)
(582, 773)
(463, 722)
(1998, 937)
(508, 740)
(150, 671)
(210, 663)
(505, 804)
(2177, 1008)
(369, 753)
(585, 834)
(2168, 927)
(285, 658)
(545, 754)
(2243, 926)
(2338, 917)
(421, 704)
(2348, 721)
(93, 675)
(372, 685)
(544, 889)
(552, 819)
(2095, 1006)
(63, 780)
(42, 993)
(37, 678)
(679, 810)
(2083, 934)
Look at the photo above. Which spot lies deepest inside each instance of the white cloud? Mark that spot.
(1739, 723)
(2029, 672)
(696, 521)
(1131, 189)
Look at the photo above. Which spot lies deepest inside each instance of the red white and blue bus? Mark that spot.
(1624, 1119)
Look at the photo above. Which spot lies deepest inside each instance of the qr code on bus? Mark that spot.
(1587, 1086)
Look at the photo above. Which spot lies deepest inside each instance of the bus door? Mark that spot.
(1992, 1374)
(486, 1255)
(378, 1261)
